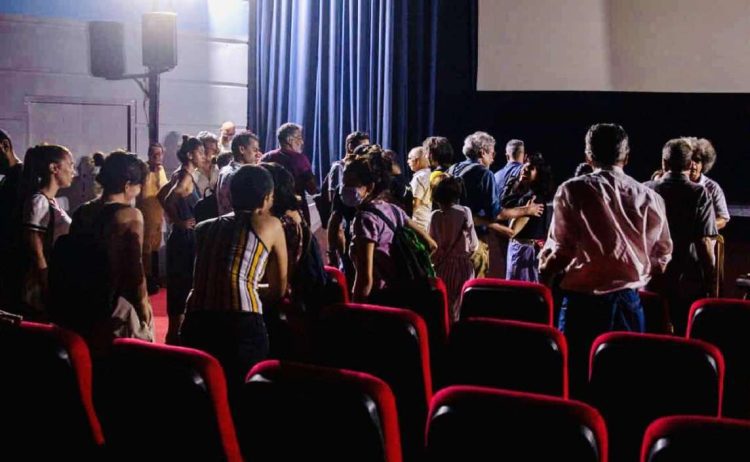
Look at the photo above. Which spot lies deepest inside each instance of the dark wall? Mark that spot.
(555, 123)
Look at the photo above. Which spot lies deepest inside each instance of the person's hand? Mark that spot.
(432, 245)
(532, 209)
(186, 224)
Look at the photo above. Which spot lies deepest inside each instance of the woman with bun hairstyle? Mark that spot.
(366, 184)
(178, 198)
(48, 168)
(113, 228)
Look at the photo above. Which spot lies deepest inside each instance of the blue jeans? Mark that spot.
(584, 317)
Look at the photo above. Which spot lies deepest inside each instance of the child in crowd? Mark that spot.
(452, 227)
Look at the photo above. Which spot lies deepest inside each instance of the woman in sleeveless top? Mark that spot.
(48, 168)
(234, 251)
(116, 230)
(178, 198)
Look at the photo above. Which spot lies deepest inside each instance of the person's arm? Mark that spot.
(705, 233)
(276, 269)
(720, 207)
(559, 249)
(422, 234)
(336, 239)
(364, 255)
(311, 185)
(531, 209)
(657, 229)
(129, 260)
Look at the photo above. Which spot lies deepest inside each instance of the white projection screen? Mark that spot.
(683, 46)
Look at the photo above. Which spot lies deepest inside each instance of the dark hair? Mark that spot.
(120, 168)
(223, 159)
(371, 166)
(189, 144)
(704, 152)
(448, 191)
(36, 172)
(5, 137)
(152, 147)
(583, 168)
(98, 158)
(544, 185)
(242, 139)
(355, 139)
(677, 154)
(285, 131)
(439, 150)
(249, 187)
(607, 144)
(284, 198)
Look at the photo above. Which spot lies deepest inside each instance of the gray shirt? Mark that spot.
(717, 196)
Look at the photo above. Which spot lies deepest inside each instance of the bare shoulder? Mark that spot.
(129, 217)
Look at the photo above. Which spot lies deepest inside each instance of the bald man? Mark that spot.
(227, 134)
(419, 163)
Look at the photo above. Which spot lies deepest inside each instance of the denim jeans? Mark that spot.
(584, 317)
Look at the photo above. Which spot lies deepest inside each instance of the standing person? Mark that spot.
(116, 302)
(534, 183)
(178, 198)
(153, 214)
(225, 307)
(48, 169)
(690, 273)
(420, 186)
(609, 234)
(245, 151)
(10, 217)
(84, 184)
(226, 135)
(704, 158)
(289, 155)
(439, 153)
(208, 174)
(452, 228)
(366, 182)
(515, 154)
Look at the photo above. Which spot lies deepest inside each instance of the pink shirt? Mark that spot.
(614, 229)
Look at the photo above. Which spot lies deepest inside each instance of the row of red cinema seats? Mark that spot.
(392, 344)
(163, 403)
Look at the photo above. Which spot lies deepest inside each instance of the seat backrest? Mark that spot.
(338, 285)
(477, 423)
(389, 343)
(681, 438)
(45, 381)
(176, 393)
(656, 312)
(636, 378)
(726, 323)
(504, 299)
(508, 354)
(291, 411)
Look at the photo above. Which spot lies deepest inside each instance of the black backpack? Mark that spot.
(310, 280)
(207, 207)
(412, 257)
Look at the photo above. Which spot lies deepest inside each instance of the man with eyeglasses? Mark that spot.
(289, 155)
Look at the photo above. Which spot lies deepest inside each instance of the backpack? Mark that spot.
(411, 255)
(310, 280)
(207, 207)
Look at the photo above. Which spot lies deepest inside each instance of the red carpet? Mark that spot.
(159, 305)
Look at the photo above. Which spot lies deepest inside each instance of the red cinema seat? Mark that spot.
(503, 299)
(45, 384)
(476, 424)
(637, 378)
(291, 411)
(389, 343)
(726, 324)
(508, 354)
(339, 290)
(173, 398)
(687, 438)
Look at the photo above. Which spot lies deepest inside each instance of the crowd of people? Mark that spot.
(240, 242)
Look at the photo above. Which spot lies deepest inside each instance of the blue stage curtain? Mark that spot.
(335, 66)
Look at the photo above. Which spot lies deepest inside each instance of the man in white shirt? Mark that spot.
(420, 186)
(609, 234)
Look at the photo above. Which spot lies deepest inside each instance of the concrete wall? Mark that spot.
(44, 54)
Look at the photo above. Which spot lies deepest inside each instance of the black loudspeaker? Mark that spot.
(159, 41)
(106, 50)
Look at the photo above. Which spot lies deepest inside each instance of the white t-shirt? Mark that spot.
(420, 189)
(36, 216)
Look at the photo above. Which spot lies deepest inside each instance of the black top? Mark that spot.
(10, 207)
(537, 227)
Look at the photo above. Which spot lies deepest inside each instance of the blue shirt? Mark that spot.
(481, 192)
(510, 170)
